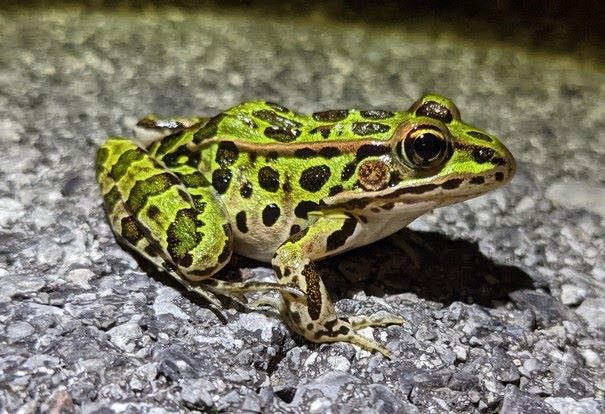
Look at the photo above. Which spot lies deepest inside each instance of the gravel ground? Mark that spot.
(505, 295)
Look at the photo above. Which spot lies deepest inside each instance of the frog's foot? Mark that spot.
(343, 330)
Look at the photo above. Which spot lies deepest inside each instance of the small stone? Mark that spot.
(251, 404)
(124, 336)
(525, 204)
(10, 211)
(578, 194)
(565, 405)
(81, 277)
(591, 358)
(572, 294)
(19, 330)
(591, 310)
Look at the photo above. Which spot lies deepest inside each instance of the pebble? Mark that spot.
(19, 330)
(577, 194)
(10, 211)
(591, 310)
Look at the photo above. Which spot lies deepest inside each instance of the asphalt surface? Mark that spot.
(504, 295)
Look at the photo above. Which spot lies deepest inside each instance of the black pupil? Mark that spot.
(428, 146)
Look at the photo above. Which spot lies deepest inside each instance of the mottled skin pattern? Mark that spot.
(289, 189)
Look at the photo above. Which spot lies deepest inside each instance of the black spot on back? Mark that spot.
(339, 237)
(227, 153)
(372, 150)
(331, 116)
(313, 178)
(268, 179)
(282, 134)
(221, 179)
(304, 207)
(451, 184)
(482, 155)
(246, 190)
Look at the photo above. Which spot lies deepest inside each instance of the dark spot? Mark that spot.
(295, 317)
(286, 186)
(375, 210)
(294, 229)
(221, 179)
(372, 150)
(369, 128)
(310, 326)
(168, 143)
(498, 161)
(313, 178)
(272, 156)
(182, 155)
(246, 190)
(339, 237)
(388, 206)
(182, 234)
(477, 180)
(125, 161)
(252, 157)
(193, 180)
(329, 152)
(270, 214)
(208, 130)
(482, 155)
(282, 134)
(420, 189)
(142, 190)
(268, 179)
(363, 219)
(499, 176)
(248, 122)
(451, 184)
(304, 207)
(153, 212)
(226, 253)
(335, 190)
(435, 110)
(394, 179)
(480, 135)
(348, 171)
(130, 230)
(377, 114)
(312, 278)
(304, 153)
(275, 119)
(226, 154)
(329, 325)
(186, 260)
(334, 115)
(240, 222)
(324, 130)
(278, 107)
(111, 199)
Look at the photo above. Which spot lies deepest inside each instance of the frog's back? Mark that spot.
(266, 123)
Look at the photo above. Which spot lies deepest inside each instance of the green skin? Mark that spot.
(290, 189)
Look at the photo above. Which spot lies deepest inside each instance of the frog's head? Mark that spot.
(433, 159)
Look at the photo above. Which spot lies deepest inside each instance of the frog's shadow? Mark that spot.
(431, 266)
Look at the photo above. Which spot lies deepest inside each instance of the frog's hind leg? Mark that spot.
(152, 127)
(170, 216)
(313, 315)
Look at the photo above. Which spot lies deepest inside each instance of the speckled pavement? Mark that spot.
(504, 295)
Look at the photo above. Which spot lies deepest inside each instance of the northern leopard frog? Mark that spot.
(272, 184)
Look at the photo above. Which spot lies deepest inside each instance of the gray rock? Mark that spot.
(516, 401)
(592, 310)
(578, 194)
(19, 330)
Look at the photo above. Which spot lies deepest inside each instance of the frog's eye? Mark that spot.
(425, 147)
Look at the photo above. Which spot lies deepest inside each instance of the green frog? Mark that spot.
(278, 186)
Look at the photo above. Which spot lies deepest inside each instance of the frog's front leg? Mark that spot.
(314, 316)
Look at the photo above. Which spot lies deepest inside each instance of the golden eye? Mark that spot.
(425, 147)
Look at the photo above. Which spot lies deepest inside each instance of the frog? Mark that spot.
(290, 189)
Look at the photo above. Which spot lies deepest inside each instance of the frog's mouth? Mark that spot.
(425, 196)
